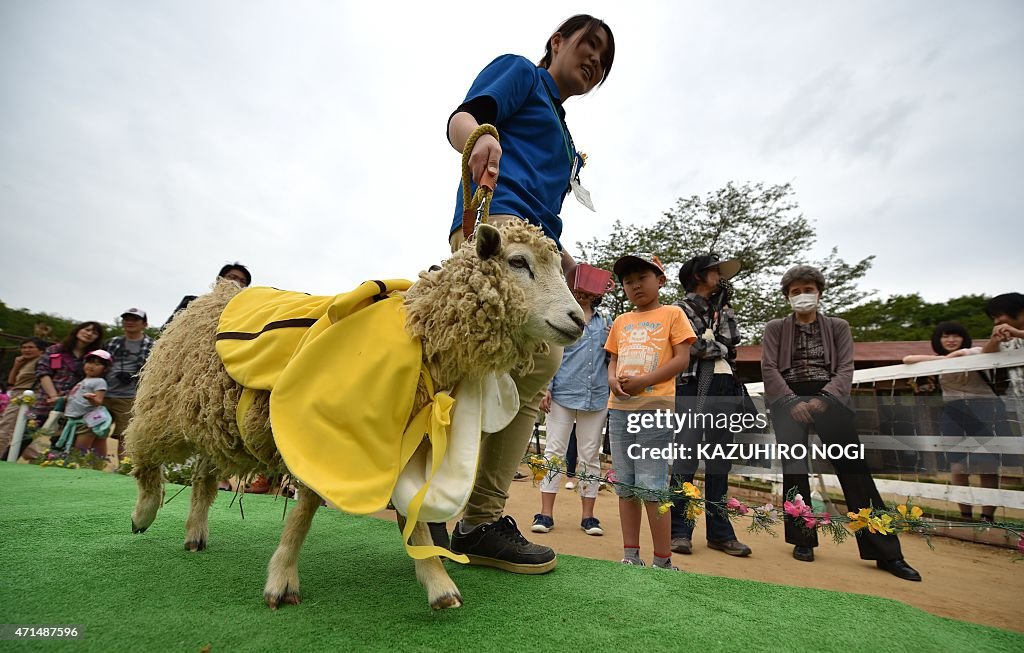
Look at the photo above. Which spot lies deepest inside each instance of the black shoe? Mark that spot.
(501, 545)
(803, 553)
(899, 568)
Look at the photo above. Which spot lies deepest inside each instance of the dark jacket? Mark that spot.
(777, 357)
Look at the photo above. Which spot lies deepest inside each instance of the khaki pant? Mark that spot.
(501, 453)
(121, 411)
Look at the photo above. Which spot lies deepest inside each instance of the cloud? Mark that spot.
(146, 145)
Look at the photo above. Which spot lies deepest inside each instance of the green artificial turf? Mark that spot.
(68, 557)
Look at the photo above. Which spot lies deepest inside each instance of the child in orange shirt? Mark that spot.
(649, 346)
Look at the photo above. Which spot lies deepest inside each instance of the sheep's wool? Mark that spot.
(343, 373)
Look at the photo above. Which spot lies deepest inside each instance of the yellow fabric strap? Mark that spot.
(433, 419)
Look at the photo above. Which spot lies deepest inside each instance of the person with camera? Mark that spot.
(128, 354)
(709, 385)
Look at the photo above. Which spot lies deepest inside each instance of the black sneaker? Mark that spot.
(501, 545)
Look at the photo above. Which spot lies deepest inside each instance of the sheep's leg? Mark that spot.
(204, 492)
(430, 572)
(283, 572)
(150, 481)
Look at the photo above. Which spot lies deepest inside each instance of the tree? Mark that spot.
(909, 317)
(760, 225)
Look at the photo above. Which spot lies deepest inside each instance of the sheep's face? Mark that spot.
(552, 313)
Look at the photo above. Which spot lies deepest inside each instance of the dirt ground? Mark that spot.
(965, 581)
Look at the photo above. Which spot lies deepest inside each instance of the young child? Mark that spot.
(649, 346)
(88, 421)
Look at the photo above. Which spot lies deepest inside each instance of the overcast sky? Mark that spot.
(143, 145)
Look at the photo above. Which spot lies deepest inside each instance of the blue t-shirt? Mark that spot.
(537, 148)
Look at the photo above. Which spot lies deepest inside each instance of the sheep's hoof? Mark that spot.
(138, 529)
(445, 601)
(195, 545)
(289, 597)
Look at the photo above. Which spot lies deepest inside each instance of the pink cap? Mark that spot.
(101, 353)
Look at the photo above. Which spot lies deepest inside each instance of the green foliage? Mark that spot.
(21, 322)
(909, 317)
(760, 225)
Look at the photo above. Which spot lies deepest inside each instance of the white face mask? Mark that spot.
(804, 303)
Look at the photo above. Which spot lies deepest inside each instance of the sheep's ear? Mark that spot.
(488, 242)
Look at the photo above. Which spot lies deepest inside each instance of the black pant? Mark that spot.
(723, 399)
(834, 426)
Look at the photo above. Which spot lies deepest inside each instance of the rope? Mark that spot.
(480, 202)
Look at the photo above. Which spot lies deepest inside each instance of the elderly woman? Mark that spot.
(807, 366)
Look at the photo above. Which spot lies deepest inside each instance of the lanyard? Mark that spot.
(561, 126)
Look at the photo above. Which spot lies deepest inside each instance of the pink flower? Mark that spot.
(611, 477)
(1020, 545)
(737, 505)
(796, 510)
(825, 520)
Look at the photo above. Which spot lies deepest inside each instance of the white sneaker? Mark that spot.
(569, 485)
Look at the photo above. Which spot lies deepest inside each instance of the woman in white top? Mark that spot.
(970, 408)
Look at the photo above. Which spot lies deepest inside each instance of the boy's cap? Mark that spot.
(651, 260)
(101, 354)
(136, 312)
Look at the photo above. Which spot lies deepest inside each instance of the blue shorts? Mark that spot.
(641, 469)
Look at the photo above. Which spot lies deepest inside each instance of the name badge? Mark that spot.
(582, 194)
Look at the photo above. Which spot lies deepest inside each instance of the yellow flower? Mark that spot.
(665, 507)
(914, 514)
(60, 463)
(693, 510)
(860, 519)
(881, 525)
(73, 466)
(690, 490)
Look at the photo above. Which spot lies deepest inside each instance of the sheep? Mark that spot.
(497, 302)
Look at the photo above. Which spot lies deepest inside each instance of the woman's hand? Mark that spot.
(484, 158)
(545, 403)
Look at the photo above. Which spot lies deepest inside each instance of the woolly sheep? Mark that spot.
(496, 302)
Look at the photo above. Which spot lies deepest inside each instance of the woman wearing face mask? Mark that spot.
(807, 366)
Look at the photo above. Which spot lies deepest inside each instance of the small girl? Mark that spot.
(970, 409)
(88, 421)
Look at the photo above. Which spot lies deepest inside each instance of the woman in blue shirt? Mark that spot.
(537, 160)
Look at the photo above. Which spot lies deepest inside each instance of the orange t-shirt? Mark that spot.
(642, 342)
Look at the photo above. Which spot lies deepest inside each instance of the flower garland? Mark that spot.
(24, 399)
(904, 517)
(71, 459)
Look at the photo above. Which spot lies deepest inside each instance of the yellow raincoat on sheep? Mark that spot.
(342, 372)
